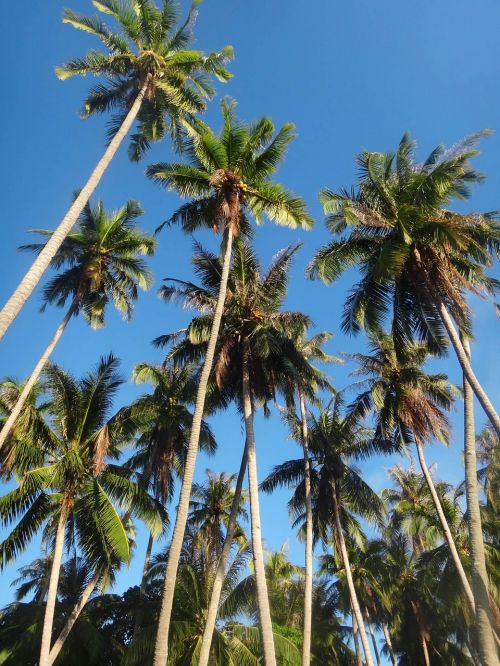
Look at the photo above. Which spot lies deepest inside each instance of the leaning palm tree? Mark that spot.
(409, 408)
(101, 261)
(150, 76)
(336, 486)
(75, 485)
(228, 177)
(415, 256)
(254, 357)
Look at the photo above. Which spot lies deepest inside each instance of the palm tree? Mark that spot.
(150, 75)
(409, 407)
(254, 356)
(102, 263)
(335, 486)
(75, 486)
(228, 178)
(415, 256)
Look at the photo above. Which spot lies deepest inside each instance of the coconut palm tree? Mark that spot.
(416, 257)
(75, 486)
(409, 408)
(228, 179)
(336, 486)
(254, 357)
(101, 262)
(150, 76)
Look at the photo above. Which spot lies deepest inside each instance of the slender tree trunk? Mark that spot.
(350, 583)
(161, 648)
(308, 583)
(355, 640)
(486, 643)
(388, 642)
(25, 288)
(467, 368)
(142, 588)
(59, 642)
(52, 593)
(23, 396)
(220, 574)
(444, 524)
(425, 649)
(372, 636)
(266, 626)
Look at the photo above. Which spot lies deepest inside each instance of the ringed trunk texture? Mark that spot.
(372, 636)
(25, 288)
(161, 648)
(13, 416)
(220, 574)
(486, 643)
(266, 626)
(446, 529)
(308, 582)
(388, 642)
(50, 607)
(59, 642)
(350, 583)
(467, 368)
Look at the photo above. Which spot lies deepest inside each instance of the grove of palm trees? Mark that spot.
(248, 350)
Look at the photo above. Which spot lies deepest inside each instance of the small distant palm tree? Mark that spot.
(228, 178)
(102, 263)
(75, 485)
(416, 257)
(150, 75)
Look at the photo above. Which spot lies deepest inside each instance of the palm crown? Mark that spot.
(228, 176)
(102, 260)
(148, 48)
(412, 251)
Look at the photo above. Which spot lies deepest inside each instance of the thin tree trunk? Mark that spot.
(467, 368)
(308, 583)
(23, 396)
(486, 643)
(444, 524)
(222, 566)
(25, 288)
(142, 588)
(50, 607)
(59, 642)
(388, 642)
(350, 583)
(372, 636)
(425, 649)
(161, 648)
(355, 639)
(266, 626)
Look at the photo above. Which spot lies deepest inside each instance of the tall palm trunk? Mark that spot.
(308, 583)
(446, 528)
(220, 574)
(486, 644)
(59, 642)
(266, 626)
(372, 636)
(9, 423)
(350, 583)
(25, 288)
(355, 639)
(467, 368)
(50, 607)
(161, 648)
(142, 587)
(388, 642)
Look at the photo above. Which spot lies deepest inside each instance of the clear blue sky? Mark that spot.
(351, 75)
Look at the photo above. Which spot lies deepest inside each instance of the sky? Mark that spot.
(350, 75)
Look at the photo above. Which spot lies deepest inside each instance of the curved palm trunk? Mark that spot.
(372, 636)
(355, 640)
(467, 368)
(486, 644)
(161, 648)
(50, 607)
(388, 642)
(266, 626)
(9, 423)
(350, 583)
(142, 588)
(59, 642)
(308, 583)
(444, 524)
(25, 288)
(220, 574)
